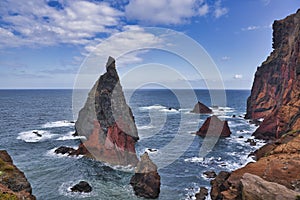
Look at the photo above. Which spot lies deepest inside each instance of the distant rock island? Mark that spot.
(275, 94)
(213, 126)
(200, 108)
(107, 122)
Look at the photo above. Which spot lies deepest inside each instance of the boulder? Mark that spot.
(276, 88)
(200, 108)
(65, 150)
(257, 188)
(82, 186)
(210, 174)
(202, 194)
(146, 180)
(107, 122)
(13, 183)
(218, 185)
(213, 126)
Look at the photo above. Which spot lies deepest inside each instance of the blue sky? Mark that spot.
(43, 43)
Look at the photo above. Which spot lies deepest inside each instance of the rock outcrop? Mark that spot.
(214, 127)
(202, 194)
(82, 186)
(257, 188)
(275, 94)
(146, 180)
(107, 122)
(200, 108)
(13, 183)
(277, 163)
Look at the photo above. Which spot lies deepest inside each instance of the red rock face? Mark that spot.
(275, 94)
(213, 126)
(107, 122)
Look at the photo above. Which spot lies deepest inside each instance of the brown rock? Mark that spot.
(146, 180)
(219, 185)
(202, 194)
(213, 126)
(13, 183)
(210, 174)
(255, 187)
(276, 88)
(107, 122)
(200, 108)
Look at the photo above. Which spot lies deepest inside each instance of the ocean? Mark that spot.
(165, 125)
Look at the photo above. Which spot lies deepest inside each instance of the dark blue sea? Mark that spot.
(164, 123)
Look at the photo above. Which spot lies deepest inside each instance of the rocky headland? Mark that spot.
(275, 97)
(13, 183)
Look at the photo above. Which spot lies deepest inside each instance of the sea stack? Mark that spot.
(107, 122)
(200, 108)
(275, 94)
(146, 180)
(215, 127)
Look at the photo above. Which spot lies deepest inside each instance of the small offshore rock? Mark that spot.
(82, 186)
(210, 174)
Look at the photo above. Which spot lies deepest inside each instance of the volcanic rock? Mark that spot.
(200, 108)
(146, 180)
(276, 88)
(201, 195)
(218, 185)
(213, 126)
(107, 122)
(210, 174)
(13, 183)
(255, 187)
(82, 186)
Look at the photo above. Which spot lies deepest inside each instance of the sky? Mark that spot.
(48, 44)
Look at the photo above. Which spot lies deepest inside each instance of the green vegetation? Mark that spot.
(7, 196)
(298, 197)
(5, 166)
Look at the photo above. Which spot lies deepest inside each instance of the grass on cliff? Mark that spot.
(7, 196)
(5, 166)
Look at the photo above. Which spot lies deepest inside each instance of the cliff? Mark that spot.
(107, 122)
(13, 183)
(275, 94)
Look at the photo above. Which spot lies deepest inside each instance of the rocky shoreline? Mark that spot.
(13, 183)
(275, 99)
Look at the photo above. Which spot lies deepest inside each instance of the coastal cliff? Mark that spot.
(275, 94)
(107, 122)
(13, 183)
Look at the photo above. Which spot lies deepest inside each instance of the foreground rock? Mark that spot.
(107, 122)
(200, 108)
(202, 194)
(255, 187)
(13, 183)
(276, 88)
(213, 126)
(146, 180)
(277, 163)
(82, 186)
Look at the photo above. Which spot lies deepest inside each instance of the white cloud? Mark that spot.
(225, 58)
(250, 28)
(37, 23)
(168, 11)
(219, 10)
(238, 76)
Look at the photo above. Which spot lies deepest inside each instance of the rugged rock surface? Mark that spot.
(257, 188)
(107, 122)
(200, 108)
(146, 180)
(277, 162)
(82, 186)
(13, 183)
(275, 94)
(213, 126)
(202, 194)
(218, 185)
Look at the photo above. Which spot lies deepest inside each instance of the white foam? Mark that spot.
(145, 127)
(58, 124)
(153, 107)
(171, 110)
(194, 159)
(69, 136)
(30, 136)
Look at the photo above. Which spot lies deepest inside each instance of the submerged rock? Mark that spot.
(107, 122)
(82, 186)
(146, 180)
(276, 88)
(13, 183)
(200, 108)
(213, 126)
